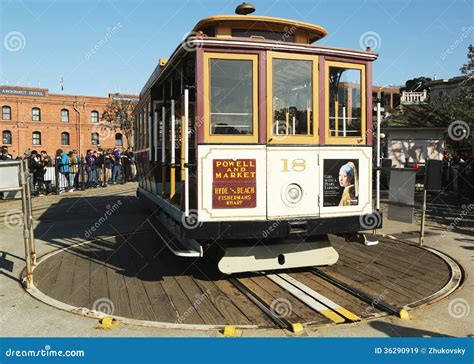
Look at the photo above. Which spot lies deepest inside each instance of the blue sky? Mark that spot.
(113, 46)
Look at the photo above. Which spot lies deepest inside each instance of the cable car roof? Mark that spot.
(313, 32)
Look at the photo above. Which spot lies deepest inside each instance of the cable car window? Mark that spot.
(231, 97)
(292, 92)
(345, 102)
(266, 34)
(292, 97)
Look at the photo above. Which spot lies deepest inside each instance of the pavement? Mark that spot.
(69, 218)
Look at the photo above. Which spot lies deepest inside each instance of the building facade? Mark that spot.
(34, 119)
(413, 144)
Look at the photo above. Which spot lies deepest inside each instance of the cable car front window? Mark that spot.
(231, 97)
(292, 97)
(345, 112)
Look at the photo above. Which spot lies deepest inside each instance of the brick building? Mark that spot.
(33, 118)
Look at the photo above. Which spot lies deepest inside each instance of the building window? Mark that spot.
(118, 140)
(64, 138)
(36, 114)
(36, 138)
(94, 117)
(65, 115)
(7, 137)
(95, 138)
(6, 113)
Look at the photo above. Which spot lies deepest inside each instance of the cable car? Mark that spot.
(253, 143)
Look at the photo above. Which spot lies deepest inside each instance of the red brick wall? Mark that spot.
(79, 126)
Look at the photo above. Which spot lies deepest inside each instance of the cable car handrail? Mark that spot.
(231, 113)
(186, 153)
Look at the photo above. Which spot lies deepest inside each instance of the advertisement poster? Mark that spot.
(234, 183)
(341, 182)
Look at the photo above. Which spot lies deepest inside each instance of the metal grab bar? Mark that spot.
(186, 153)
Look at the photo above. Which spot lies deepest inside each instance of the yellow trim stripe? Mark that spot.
(347, 314)
(330, 314)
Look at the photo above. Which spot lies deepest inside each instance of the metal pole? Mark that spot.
(378, 156)
(26, 232)
(30, 217)
(186, 153)
(122, 169)
(423, 213)
(56, 174)
(104, 173)
(83, 172)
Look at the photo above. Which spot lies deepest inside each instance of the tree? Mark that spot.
(438, 111)
(119, 114)
(416, 84)
(468, 68)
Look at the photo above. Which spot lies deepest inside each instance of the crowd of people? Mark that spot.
(68, 171)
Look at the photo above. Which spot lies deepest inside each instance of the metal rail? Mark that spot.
(281, 321)
(313, 299)
(375, 302)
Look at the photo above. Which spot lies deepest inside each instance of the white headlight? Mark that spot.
(293, 194)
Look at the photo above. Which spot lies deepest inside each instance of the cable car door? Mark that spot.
(292, 154)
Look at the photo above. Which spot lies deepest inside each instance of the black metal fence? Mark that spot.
(457, 177)
(57, 178)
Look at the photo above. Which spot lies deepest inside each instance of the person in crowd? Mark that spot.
(34, 168)
(79, 166)
(5, 156)
(116, 166)
(108, 162)
(127, 160)
(62, 163)
(133, 167)
(91, 169)
(48, 172)
(99, 162)
(73, 170)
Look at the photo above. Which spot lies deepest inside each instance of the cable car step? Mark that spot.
(184, 248)
(238, 259)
